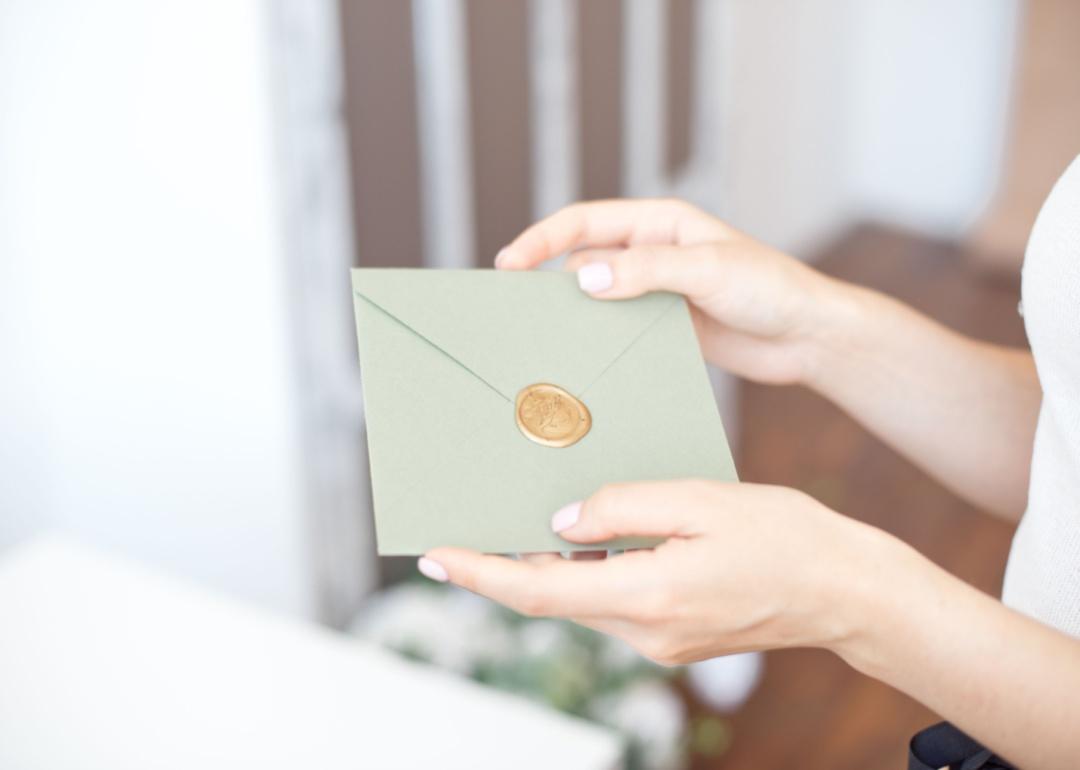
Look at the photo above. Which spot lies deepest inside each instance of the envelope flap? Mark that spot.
(513, 329)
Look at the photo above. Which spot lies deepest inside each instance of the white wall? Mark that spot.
(838, 111)
(146, 400)
(784, 145)
(930, 85)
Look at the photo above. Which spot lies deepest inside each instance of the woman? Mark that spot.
(751, 567)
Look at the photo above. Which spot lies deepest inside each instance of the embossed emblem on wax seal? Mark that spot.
(549, 415)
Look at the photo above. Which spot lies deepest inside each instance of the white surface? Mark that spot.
(105, 665)
(146, 395)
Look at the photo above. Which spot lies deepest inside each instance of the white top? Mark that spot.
(1043, 575)
(107, 665)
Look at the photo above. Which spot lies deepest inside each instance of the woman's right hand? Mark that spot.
(758, 312)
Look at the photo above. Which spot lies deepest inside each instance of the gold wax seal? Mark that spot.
(549, 415)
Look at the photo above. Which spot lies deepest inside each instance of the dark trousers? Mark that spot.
(944, 746)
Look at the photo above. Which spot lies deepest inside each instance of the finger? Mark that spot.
(606, 223)
(539, 558)
(643, 509)
(693, 271)
(558, 588)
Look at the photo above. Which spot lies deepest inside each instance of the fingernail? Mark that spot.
(432, 569)
(595, 277)
(500, 257)
(566, 517)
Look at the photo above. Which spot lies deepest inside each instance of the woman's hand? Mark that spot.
(963, 410)
(747, 567)
(743, 567)
(758, 312)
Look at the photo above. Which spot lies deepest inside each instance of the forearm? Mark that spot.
(1008, 681)
(963, 410)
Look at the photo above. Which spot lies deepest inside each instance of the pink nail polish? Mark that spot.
(594, 277)
(566, 517)
(432, 569)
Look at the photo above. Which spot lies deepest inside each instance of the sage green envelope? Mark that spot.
(443, 355)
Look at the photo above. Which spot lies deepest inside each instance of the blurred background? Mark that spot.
(184, 186)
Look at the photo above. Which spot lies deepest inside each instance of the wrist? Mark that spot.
(884, 602)
(838, 602)
(840, 319)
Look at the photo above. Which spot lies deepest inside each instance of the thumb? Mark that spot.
(693, 271)
(643, 509)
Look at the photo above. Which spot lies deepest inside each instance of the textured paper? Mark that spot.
(443, 354)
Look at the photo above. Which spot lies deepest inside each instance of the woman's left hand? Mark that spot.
(742, 567)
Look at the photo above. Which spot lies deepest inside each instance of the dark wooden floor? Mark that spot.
(812, 711)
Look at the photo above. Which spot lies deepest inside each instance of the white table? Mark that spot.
(106, 664)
